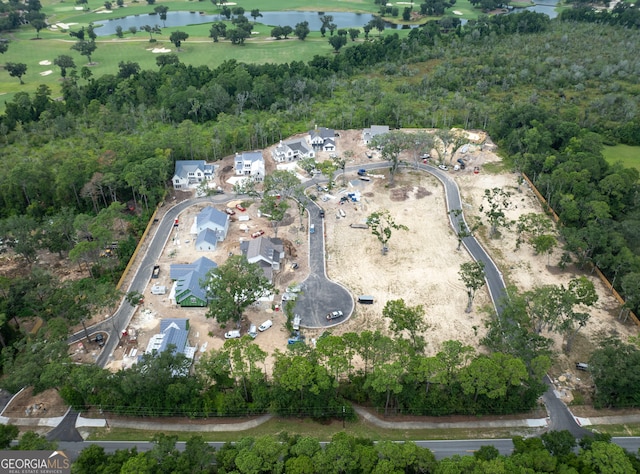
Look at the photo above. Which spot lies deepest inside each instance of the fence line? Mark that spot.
(141, 242)
(601, 275)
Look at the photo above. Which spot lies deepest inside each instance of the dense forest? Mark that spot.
(87, 171)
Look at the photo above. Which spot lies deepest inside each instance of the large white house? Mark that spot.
(250, 163)
(212, 219)
(375, 130)
(323, 138)
(190, 173)
(291, 150)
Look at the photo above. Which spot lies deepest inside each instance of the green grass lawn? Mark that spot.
(628, 155)
(198, 50)
(321, 431)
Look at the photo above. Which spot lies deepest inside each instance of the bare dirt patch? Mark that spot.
(43, 405)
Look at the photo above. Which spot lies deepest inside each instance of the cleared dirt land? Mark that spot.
(421, 266)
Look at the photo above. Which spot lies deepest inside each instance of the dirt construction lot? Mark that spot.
(420, 267)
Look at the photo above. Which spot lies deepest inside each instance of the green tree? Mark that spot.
(64, 62)
(16, 70)
(382, 224)
(606, 458)
(85, 48)
(498, 202)
(275, 209)
(354, 33)
(473, 277)
(302, 30)
(177, 37)
(386, 378)
(409, 318)
(8, 433)
(233, 287)
(162, 10)
(218, 30)
(337, 42)
(391, 145)
(300, 374)
(255, 14)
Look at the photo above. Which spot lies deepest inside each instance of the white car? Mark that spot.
(334, 315)
(443, 167)
(232, 335)
(266, 325)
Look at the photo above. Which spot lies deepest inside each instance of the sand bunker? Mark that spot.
(45, 62)
(160, 50)
(46, 73)
(456, 12)
(105, 11)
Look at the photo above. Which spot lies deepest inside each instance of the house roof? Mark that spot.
(369, 133)
(174, 332)
(322, 132)
(207, 236)
(251, 156)
(177, 271)
(189, 285)
(298, 144)
(213, 215)
(266, 247)
(184, 167)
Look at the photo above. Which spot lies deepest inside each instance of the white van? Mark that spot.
(266, 325)
(253, 331)
(235, 334)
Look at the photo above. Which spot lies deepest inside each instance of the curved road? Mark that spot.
(320, 294)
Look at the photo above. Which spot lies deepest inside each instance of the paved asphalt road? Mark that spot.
(441, 449)
(320, 295)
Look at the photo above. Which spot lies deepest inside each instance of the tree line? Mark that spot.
(552, 452)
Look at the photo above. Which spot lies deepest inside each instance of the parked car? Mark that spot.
(229, 211)
(266, 325)
(100, 340)
(253, 332)
(257, 234)
(321, 213)
(443, 167)
(240, 208)
(312, 229)
(235, 334)
(334, 315)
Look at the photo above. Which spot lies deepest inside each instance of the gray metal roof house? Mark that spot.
(267, 252)
(207, 240)
(189, 291)
(190, 173)
(213, 219)
(369, 133)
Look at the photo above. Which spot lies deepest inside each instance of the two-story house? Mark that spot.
(291, 150)
(323, 138)
(250, 163)
(190, 173)
(266, 251)
(369, 133)
(189, 279)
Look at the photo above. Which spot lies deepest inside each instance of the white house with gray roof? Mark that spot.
(250, 164)
(291, 150)
(214, 220)
(267, 252)
(190, 173)
(323, 138)
(369, 133)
